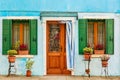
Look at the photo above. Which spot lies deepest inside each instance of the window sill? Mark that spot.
(24, 56)
(96, 55)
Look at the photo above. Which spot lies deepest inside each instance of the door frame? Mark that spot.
(44, 24)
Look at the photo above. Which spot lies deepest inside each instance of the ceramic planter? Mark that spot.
(87, 56)
(28, 73)
(104, 63)
(23, 52)
(98, 51)
(11, 59)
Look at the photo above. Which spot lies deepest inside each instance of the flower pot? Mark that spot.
(28, 73)
(87, 56)
(23, 52)
(98, 51)
(11, 59)
(104, 63)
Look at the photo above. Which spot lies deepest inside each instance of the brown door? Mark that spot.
(56, 48)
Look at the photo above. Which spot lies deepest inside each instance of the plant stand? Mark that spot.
(11, 66)
(87, 70)
(104, 68)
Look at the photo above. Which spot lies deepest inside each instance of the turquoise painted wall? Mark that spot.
(33, 8)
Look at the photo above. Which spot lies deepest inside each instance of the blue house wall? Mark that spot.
(33, 8)
(11, 8)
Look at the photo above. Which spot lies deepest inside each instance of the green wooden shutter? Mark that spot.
(109, 36)
(6, 38)
(33, 37)
(82, 27)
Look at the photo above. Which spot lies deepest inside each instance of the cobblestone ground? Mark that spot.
(57, 78)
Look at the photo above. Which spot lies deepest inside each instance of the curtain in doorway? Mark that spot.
(70, 45)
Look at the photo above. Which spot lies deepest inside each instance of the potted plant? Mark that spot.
(29, 64)
(11, 56)
(16, 45)
(104, 60)
(99, 49)
(23, 49)
(87, 52)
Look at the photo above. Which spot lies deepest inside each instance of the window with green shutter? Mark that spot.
(6, 38)
(24, 31)
(109, 36)
(82, 27)
(96, 32)
(33, 37)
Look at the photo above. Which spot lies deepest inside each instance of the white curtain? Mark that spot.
(70, 45)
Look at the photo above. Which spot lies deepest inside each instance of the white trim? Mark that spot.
(43, 23)
(96, 15)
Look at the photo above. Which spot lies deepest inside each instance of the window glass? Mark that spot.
(20, 32)
(96, 33)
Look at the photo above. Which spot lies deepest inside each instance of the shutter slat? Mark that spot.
(82, 27)
(33, 37)
(6, 39)
(109, 36)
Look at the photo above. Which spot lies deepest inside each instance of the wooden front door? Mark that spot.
(56, 48)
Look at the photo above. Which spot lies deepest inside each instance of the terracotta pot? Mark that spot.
(11, 59)
(87, 56)
(23, 52)
(99, 51)
(28, 73)
(104, 63)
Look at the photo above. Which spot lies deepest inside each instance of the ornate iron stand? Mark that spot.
(87, 71)
(10, 69)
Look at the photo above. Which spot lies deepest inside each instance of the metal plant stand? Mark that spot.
(87, 70)
(11, 69)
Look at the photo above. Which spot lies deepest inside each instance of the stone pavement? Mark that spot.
(57, 78)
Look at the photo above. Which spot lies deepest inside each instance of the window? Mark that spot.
(24, 31)
(20, 32)
(94, 32)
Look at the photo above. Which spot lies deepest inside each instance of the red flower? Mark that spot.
(99, 47)
(23, 47)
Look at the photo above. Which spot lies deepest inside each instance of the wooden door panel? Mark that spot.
(56, 53)
(65, 71)
(54, 64)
